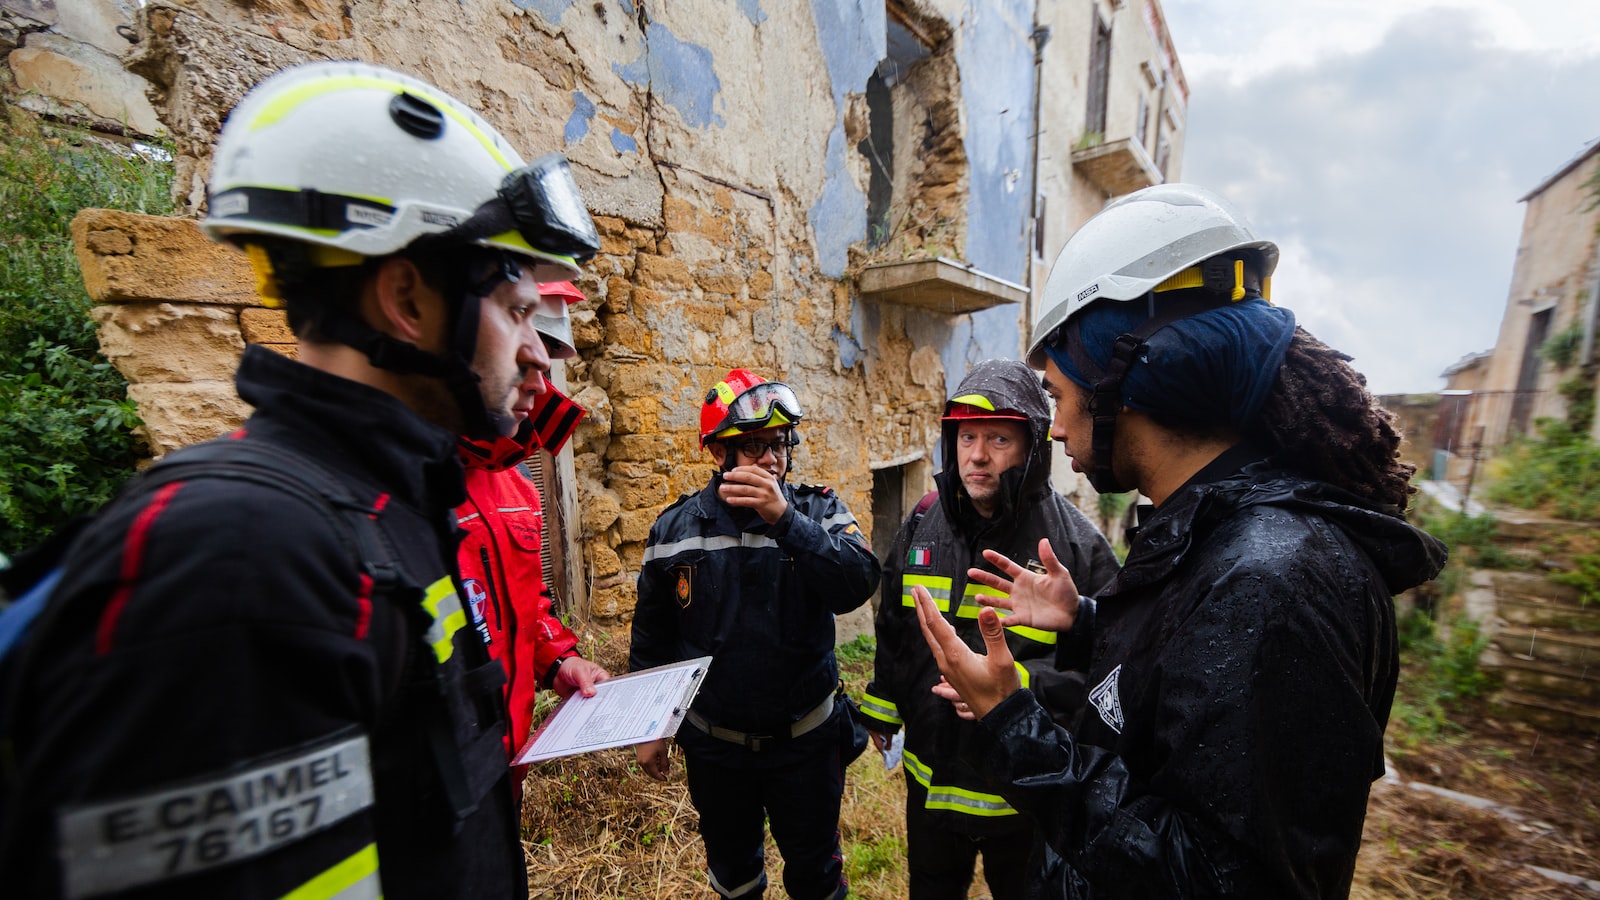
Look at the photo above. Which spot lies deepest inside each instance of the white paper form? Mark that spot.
(628, 709)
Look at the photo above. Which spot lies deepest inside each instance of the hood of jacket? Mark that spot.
(1008, 385)
(1405, 555)
(555, 416)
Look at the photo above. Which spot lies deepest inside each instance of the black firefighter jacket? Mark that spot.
(223, 708)
(1243, 667)
(934, 551)
(760, 600)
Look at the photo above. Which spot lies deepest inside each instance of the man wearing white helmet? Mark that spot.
(1244, 659)
(501, 553)
(256, 677)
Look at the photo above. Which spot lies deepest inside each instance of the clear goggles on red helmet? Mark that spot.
(754, 408)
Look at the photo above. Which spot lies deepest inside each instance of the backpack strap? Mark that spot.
(310, 480)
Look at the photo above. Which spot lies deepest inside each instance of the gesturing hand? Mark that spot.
(1046, 601)
(982, 681)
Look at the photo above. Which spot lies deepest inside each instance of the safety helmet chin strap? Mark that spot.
(453, 367)
(1105, 400)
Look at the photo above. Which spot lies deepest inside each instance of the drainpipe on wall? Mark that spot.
(1040, 36)
(1592, 315)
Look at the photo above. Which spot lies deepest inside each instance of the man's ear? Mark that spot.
(401, 304)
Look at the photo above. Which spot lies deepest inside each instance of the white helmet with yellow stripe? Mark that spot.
(361, 160)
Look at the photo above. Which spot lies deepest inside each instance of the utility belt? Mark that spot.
(757, 743)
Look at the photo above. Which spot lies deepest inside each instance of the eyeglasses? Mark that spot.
(755, 448)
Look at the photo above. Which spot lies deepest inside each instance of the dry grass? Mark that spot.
(597, 827)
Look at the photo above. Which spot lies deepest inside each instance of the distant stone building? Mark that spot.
(855, 196)
(1547, 335)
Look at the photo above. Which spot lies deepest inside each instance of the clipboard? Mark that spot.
(629, 709)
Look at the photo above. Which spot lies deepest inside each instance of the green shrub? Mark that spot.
(1440, 672)
(66, 438)
(1559, 472)
(1585, 576)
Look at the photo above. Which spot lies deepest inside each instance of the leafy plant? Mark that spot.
(1559, 472)
(66, 439)
(1440, 672)
(1561, 349)
(1585, 576)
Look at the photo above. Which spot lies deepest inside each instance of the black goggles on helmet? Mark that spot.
(539, 201)
(755, 407)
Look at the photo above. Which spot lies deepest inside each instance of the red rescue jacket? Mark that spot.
(501, 574)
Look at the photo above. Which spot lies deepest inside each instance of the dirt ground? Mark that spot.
(1418, 844)
(596, 827)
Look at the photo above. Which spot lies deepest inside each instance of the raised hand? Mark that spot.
(1047, 600)
(754, 488)
(982, 681)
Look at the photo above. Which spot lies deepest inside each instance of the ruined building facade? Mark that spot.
(853, 196)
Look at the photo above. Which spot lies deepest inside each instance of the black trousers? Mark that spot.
(798, 797)
(941, 861)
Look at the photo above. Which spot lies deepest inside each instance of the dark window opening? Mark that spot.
(1528, 374)
(1099, 76)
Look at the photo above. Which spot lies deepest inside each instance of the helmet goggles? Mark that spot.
(756, 408)
(540, 202)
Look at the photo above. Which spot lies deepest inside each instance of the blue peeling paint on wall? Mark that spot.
(853, 38)
(752, 11)
(681, 74)
(578, 122)
(995, 44)
(551, 10)
(622, 142)
(839, 217)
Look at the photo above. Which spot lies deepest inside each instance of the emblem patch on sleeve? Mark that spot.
(683, 591)
(1107, 701)
(181, 828)
(919, 556)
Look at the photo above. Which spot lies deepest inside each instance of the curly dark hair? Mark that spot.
(1321, 421)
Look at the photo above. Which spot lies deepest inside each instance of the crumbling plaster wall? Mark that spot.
(708, 142)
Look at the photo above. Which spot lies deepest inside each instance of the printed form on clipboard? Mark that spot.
(629, 709)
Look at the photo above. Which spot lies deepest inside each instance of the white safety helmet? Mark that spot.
(553, 322)
(1135, 244)
(359, 158)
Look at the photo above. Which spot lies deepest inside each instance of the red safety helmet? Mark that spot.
(977, 406)
(744, 402)
(566, 290)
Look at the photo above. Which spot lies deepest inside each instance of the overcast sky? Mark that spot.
(1383, 144)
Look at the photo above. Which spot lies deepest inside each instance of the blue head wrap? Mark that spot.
(1213, 367)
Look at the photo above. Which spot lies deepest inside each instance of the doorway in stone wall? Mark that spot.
(542, 469)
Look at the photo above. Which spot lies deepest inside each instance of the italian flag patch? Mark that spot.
(919, 556)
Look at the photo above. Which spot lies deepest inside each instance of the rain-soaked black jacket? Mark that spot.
(935, 550)
(1243, 666)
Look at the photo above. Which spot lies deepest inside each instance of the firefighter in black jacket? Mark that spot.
(751, 571)
(994, 493)
(234, 692)
(1244, 660)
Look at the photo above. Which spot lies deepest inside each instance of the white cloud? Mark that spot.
(1384, 145)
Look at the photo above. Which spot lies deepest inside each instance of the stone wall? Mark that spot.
(719, 147)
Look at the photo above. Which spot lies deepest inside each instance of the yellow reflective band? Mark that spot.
(937, 587)
(1023, 673)
(725, 393)
(920, 772)
(1266, 289)
(978, 400)
(442, 602)
(286, 103)
(356, 878)
(1033, 634)
(961, 800)
(881, 709)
